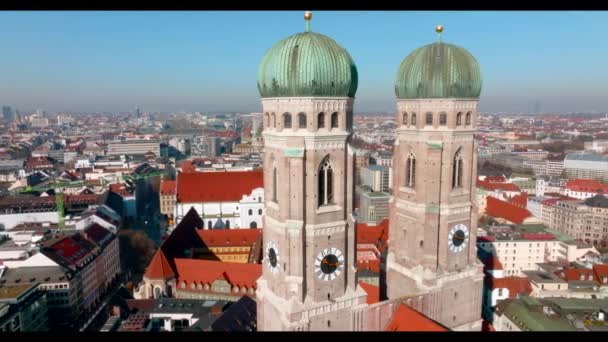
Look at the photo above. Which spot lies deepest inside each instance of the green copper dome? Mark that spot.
(438, 70)
(307, 64)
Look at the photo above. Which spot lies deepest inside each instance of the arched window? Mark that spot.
(267, 119)
(259, 211)
(414, 119)
(410, 171)
(457, 170)
(404, 119)
(209, 225)
(459, 119)
(325, 194)
(250, 212)
(429, 118)
(301, 120)
(468, 120)
(334, 120)
(274, 183)
(253, 224)
(443, 119)
(274, 121)
(227, 224)
(157, 292)
(183, 285)
(321, 120)
(286, 120)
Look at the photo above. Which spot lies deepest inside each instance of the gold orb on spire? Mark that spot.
(439, 28)
(307, 15)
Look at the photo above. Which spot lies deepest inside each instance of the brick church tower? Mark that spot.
(307, 83)
(433, 215)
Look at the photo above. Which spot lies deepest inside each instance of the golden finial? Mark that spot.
(307, 17)
(439, 29)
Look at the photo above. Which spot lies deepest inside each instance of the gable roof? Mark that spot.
(206, 271)
(515, 285)
(506, 210)
(408, 319)
(197, 187)
(159, 267)
(167, 187)
(229, 237)
(497, 186)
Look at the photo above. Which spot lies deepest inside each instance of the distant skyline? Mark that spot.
(207, 61)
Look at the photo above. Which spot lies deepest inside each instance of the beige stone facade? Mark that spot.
(308, 179)
(433, 219)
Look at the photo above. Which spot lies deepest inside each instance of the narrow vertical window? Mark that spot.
(404, 119)
(321, 120)
(457, 170)
(413, 119)
(274, 184)
(410, 171)
(334, 120)
(286, 120)
(301, 120)
(443, 119)
(459, 119)
(468, 120)
(325, 193)
(274, 121)
(429, 118)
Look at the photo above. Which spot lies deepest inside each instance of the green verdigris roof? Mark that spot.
(438, 70)
(307, 64)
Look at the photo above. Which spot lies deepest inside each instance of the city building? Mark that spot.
(308, 276)
(22, 308)
(167, 197)
(597, 146)
(376, 177)
(183, 268)
(587, 166)
(582, 219)
(133, 147)
(584, 188)
(223, 199)
(373, 207)
(433, 219)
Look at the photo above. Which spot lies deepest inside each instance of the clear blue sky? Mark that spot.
(207, 61)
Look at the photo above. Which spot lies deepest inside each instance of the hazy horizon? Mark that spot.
(204, 61)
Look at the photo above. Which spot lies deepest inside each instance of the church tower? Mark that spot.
(433, 216)
(307, 83)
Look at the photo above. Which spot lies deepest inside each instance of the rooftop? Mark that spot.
(13, 291)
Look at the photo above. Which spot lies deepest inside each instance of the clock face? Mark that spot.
(458, 238)
(272, 257)
(329, 264)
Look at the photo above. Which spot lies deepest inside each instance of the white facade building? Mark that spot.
(224, 199)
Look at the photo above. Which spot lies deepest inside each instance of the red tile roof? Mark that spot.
(574, 274)
(508, 211)
(484, 184)
(527, 236)
(224, 186)
(373, 292)
(159, 267)
(520, 200)
(586, 185)
(376, 235)
(515, 285)
(207, 271)
(495, 179)
(168, 187)
(408, 319)
(229, 237)
(601, 272)
(188, 166)
(488, 238)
